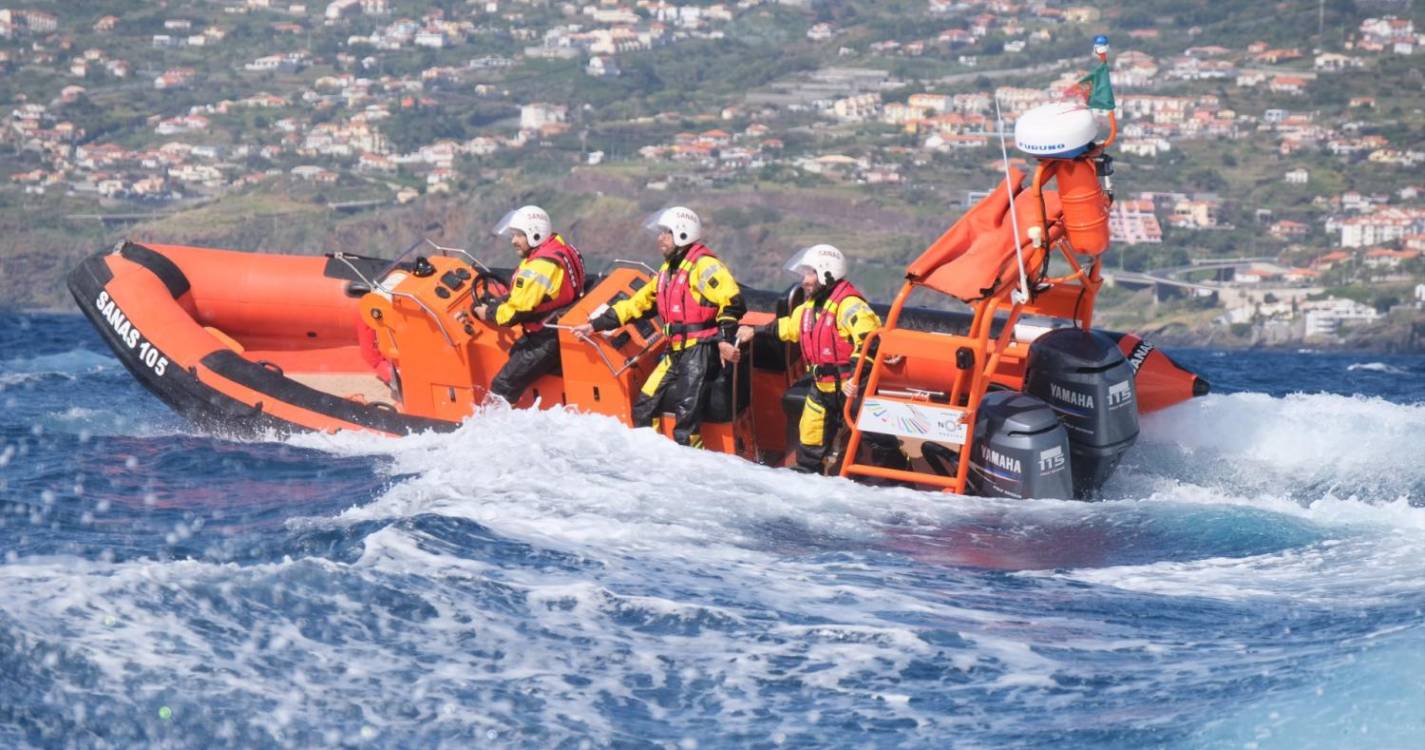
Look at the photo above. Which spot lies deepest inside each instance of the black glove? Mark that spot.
(605, 321)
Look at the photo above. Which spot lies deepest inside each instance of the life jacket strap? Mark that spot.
(832, 372)
(680, 331)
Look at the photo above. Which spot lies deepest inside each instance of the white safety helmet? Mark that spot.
(685, 225)
(531, 220)
(825, 261)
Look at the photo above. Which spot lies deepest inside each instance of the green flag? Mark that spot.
(1098, 88)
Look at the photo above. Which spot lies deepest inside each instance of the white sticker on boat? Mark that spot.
(939, 424)
(129, 334)
(392, 280)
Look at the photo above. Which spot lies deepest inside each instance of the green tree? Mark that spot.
(1383, 302)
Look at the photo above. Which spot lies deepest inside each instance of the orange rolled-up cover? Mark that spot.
(976, 256)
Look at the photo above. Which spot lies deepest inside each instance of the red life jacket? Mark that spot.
(563, 254)
(684, 316)
(824, 350)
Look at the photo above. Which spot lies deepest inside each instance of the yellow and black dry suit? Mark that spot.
(699, 305)
(830, 327)
(549, 278)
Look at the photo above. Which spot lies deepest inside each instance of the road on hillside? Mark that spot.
(1006, 72)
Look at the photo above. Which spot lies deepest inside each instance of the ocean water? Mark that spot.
(1255, 578)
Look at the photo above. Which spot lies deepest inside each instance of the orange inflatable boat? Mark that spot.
(1017, 396)
(244, 343)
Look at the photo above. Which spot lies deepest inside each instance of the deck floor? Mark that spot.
(364, 387)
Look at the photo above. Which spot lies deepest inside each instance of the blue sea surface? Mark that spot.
(1254, 578)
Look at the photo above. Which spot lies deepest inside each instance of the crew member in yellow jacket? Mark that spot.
(831, 325)
(549, 279)
(699, 305)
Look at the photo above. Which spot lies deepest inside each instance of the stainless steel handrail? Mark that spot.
(474, 261)
(376, 285)
(638, 263)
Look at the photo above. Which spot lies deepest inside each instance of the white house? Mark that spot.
(537, 115)
(1327, 317)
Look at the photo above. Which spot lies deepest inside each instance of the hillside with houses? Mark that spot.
(1267, 186)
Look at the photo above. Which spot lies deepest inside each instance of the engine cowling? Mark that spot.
(1020, 449)
(1084, 377)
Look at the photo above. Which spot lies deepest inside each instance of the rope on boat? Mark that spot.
(1020, 295)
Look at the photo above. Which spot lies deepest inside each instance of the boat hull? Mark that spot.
(150, 304)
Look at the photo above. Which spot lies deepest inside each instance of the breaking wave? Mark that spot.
(1377, 367)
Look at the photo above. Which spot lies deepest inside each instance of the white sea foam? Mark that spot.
(1303, 446)
(588, 479)
(664, 575)
(638, 496)
(1359, 571)
(1381, 367)
(77, 414)
(154, 619)
(570, 480)
(693, 585)
(1292, 430)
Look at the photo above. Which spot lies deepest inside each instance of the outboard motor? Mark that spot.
(1084, 377)
(1020, 449)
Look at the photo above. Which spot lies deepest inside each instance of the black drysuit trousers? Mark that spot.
(532, 357)
(680, 384)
